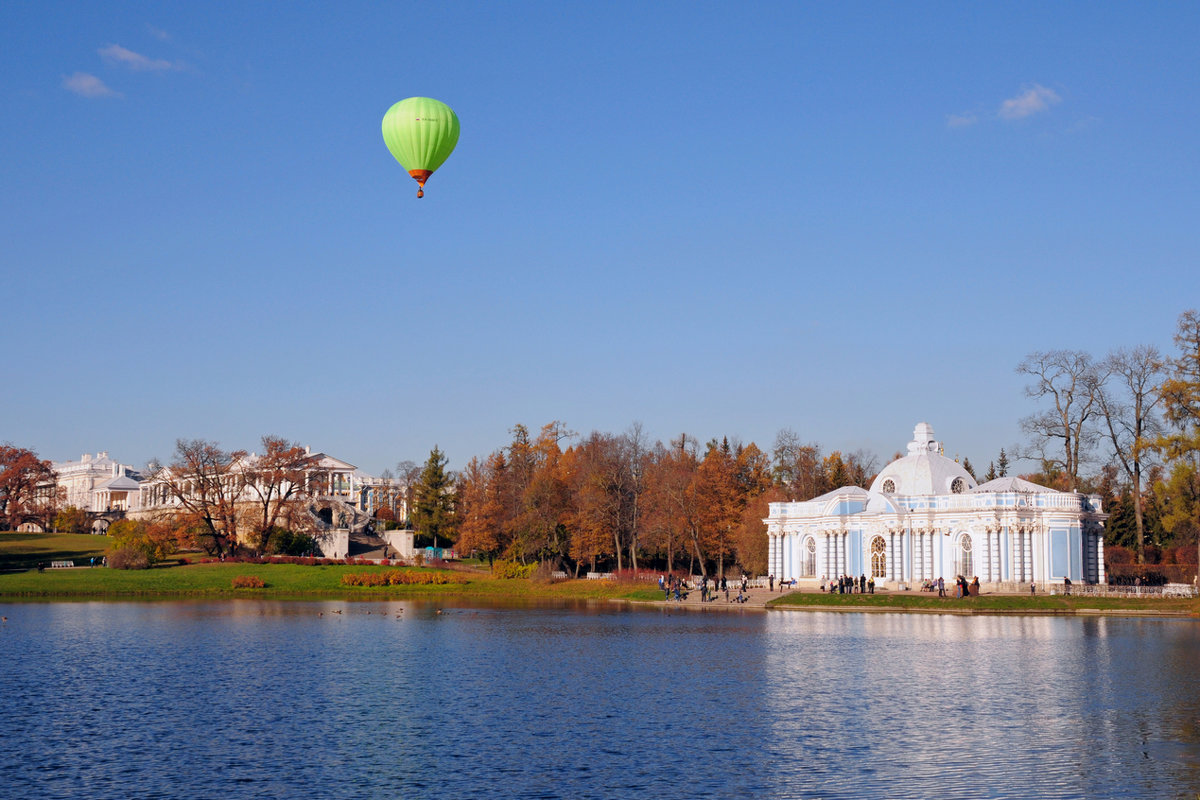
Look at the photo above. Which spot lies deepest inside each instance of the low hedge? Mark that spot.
(395, 577)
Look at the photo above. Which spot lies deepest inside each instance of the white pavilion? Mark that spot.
(925, 517)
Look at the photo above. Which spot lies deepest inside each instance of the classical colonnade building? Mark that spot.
(925, 517)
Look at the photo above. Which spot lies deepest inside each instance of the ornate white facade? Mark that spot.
(97, 483)
(329, 478)
(925, 517)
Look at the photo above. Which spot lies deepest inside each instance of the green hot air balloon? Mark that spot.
(421, 133)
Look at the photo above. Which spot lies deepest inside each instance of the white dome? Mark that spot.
(924, 470)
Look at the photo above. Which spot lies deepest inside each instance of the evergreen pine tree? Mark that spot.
(433, 512)
(1002, 464)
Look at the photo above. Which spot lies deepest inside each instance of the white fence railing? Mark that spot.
(1169, 590)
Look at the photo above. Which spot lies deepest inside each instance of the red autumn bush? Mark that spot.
(395, 577)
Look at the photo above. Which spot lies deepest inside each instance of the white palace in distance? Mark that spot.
(925, 517)
(104, 486)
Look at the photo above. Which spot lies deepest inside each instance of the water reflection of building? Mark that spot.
(925, 517)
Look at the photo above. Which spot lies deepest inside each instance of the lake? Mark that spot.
(243, 699)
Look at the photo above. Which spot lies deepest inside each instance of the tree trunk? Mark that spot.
(698, 556)
(1137, 513)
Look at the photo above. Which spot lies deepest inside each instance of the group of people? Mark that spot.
(675, 587)
(673, 584)
(962, 587)
(848, 584)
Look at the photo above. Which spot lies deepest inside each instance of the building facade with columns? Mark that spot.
(925, 517)
(97, 483)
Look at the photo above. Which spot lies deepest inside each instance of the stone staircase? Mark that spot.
(368, 545)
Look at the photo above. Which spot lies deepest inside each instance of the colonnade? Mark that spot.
(1002, 552)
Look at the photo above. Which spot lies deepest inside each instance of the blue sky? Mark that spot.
(724, 219)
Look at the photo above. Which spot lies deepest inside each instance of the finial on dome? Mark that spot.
(922, 439)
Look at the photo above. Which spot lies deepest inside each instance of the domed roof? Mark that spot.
(924, 470)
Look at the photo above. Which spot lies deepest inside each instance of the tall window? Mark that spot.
(810, 557)
(878, 557)
(966, 565)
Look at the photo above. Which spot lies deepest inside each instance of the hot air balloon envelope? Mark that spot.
(421, 133)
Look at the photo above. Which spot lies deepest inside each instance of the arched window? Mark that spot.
(878, 557)
(889, 486)
(966, 565)
(810, 557)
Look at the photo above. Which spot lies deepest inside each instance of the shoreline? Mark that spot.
(302, 583)
(765, 600)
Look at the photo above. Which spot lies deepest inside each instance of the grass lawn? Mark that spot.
(296, 581)
(288, 581)
(24, 550)
(1014, 603)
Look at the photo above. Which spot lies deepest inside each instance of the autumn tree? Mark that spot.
(797, 466)
(1179, 492)
(672, 508)
(26, 487)
(545, 507)
(1065, 433)
(73, 520)
(719, 507)
(756, 491)
(1128, 406)
(836, 474)
(274, 481)
(602, 488)
(750, 538)
(433, 511)
(479, 507)
(202, 480)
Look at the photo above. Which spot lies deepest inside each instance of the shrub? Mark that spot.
(511, 570)
(287, 543)
(1116, 554)
(395, 577)
(128, 558)
(153, 540)
(248, 582)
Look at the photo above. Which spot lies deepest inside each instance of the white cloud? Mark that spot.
(116, 54)
(87, 85)
(158, 33)
(961, 120)
(1032, 100)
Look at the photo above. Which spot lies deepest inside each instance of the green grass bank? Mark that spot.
(989, 603)
(19, 580)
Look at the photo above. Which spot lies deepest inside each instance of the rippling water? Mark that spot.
(372, 700)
